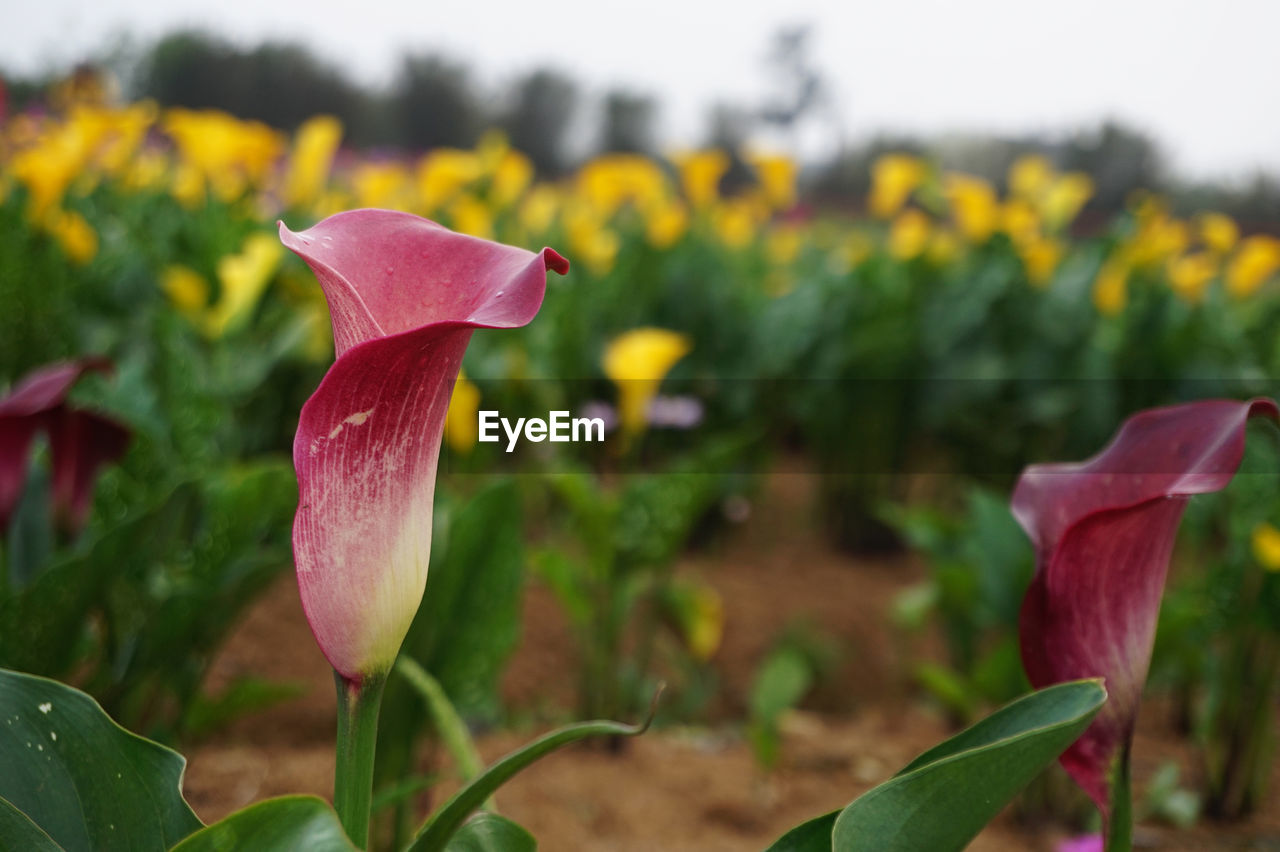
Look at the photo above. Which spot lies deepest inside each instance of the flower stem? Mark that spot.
(358, 704)
(1120, 821)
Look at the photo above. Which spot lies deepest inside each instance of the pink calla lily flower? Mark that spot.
(80, 442)
(404, 295)
(1104, 531)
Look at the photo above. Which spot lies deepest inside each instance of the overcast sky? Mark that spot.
(1202, 76)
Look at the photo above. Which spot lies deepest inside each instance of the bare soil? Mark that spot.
(677, 788)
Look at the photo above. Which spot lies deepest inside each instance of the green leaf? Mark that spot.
(469, 621)
(948, 687)
(811, 836)
(441, 826)
(487, 832)
(565, 578)
(276, 825)
(242, 696)
(453, 731)
(944, 797)
(41, 626)
(85, 781)
(30, 534)
(781, 683)
(17, 831)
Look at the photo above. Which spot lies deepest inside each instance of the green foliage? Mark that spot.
(488, 832)
(943, 798)
(87, 783)
(277, 825)
(980, 564)
(442, 825)
(798, 660)
(465, 629)
(1218, 643)
(1167, 800)
(194, 521)
(618, 586)
(137, 606)
(782, 681)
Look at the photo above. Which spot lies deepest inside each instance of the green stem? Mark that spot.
(358, 704)
(1120, 821)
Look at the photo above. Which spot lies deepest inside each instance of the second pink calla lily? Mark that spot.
(1104, 531)
(405, 295)
(80, 441)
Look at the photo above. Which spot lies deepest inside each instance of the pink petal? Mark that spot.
(1104, 531)
(1084, 843)
(81, 443)
(405, 295)
(46, 387)
(15, 446)
(386, 272)
(23, 412)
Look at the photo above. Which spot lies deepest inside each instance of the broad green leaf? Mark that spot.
(811, 836)
(469, 621)
(41, 626)
(85, 781)
(283, 824)
(17, 831)
(1000, 555)
(487, 832)
(944, 797)
(442, 825)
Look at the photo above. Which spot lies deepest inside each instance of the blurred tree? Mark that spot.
(279, 83)
(846, 179)
(541, 106)
(1120, 159)
(628, 123)
(1255, 204)
(189, 68)
(21, 93)
(286, 85)
(798, 88)
(728, 127)
(434, 104)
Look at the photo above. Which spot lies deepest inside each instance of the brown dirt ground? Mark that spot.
(680, 788)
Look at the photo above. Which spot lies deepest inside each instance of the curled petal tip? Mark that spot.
(555, 261)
